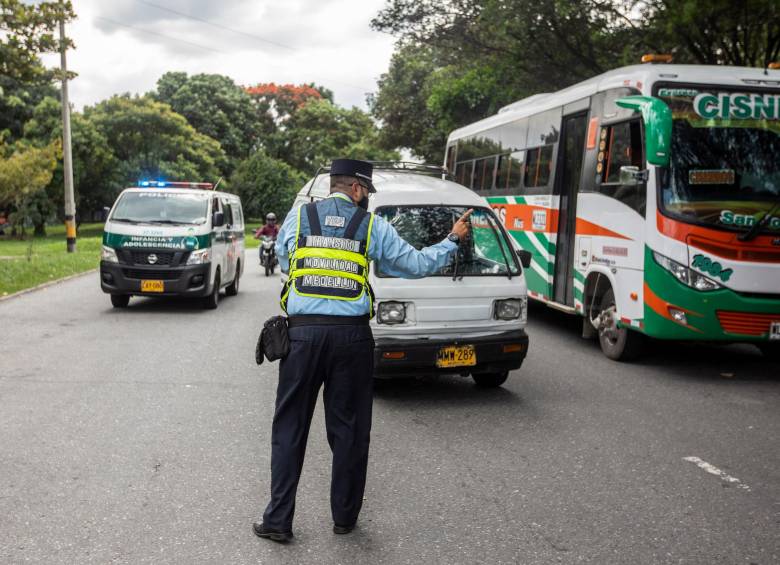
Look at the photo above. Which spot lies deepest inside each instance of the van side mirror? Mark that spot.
(658, 126)
(630, 174)
(218, 219)
(106, 212)
(525, 257)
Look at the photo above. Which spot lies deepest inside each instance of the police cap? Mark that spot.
(362, 170)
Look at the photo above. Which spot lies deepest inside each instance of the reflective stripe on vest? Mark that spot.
(330, 267)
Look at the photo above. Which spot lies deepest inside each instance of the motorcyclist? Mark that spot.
(270, 229)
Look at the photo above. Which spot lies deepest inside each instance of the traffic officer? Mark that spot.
(326, 248)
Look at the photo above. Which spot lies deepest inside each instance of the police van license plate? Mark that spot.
(152, 286)
(456, 356)
(774, 331)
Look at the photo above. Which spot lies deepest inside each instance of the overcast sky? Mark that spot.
(125, 45)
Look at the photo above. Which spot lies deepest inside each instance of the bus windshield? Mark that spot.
(157, 207)
(724, 170)
(486, 252)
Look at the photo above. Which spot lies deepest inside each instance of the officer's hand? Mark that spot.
(462, 226)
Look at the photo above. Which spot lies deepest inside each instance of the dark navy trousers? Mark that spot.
(340, 357)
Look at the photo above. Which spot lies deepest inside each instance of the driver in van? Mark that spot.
(327, 246)
(270, 228)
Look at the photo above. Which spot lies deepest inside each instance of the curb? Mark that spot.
(46, 285)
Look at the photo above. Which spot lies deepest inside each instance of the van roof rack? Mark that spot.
(397, 166)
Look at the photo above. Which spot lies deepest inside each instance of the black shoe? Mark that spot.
(343, 529)
(262, 531)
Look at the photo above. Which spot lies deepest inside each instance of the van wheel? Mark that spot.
(771, 351)
(232, 288)
(490, 380)
(211, 301)
(120, 300)
(619, 344)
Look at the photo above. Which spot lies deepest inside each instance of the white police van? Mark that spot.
(172, 238)
(468, 319)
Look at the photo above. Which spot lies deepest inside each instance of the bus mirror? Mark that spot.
(218, 219)
(525, 257)
(630, 174)
(658, 126)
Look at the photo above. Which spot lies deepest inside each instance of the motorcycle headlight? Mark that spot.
(510, 309)
(199, 257)
(391, 312)
(685, 275)
(108, 255)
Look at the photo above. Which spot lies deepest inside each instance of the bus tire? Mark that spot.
(619, 344)
(232, 288)
(490, 380)
(211, 301)
(120, 300)
(771, 351)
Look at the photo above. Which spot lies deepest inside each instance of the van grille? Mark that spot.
(142, 258)
(746, 323)
(164, 275)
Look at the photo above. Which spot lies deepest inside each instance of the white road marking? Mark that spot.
(713, 470)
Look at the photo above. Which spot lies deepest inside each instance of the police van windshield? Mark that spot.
(724, 170)
(156, 207)
(486, 252)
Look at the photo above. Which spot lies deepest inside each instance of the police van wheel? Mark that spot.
(232, 288)
(490, 380)
(619, 344)
(771, 351)
(120, 300)
(211, 301)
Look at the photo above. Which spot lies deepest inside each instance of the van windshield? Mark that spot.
(486, 252)
(155, 207)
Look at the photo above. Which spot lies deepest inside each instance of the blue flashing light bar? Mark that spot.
(173, 184)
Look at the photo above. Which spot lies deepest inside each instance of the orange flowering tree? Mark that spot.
(283, 100)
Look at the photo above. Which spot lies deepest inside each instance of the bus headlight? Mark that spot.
(199, 257)
(510, 309)
(685, 275)
(391, 312)
(108, 255)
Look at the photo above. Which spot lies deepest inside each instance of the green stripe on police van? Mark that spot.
(186, 242)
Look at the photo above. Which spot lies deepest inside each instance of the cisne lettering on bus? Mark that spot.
(725, 105)
(730, 218)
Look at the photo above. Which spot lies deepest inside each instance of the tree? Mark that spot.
(150, 140)
(283, 100)
(17, 104)
(266, 185)
(27, 31)
(320, 132)
(24, 172)
(217, 107)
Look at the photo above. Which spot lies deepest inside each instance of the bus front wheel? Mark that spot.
(617, 343)
(771, 351)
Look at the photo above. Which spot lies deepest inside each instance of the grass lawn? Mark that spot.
(36, 260)
(30, 262)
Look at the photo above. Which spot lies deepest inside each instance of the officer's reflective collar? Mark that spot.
(341, 195)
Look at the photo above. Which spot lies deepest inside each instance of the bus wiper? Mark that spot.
(753, 232)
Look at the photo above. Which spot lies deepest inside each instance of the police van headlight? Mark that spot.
(199, 257)
(685, 275)
(108, 255)
(510, 309)
(391, 312)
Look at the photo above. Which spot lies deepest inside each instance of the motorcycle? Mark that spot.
(268, 254)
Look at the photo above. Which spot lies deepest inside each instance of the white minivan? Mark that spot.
(172, 238)
(468, 319)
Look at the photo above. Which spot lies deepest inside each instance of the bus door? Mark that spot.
(570, 153)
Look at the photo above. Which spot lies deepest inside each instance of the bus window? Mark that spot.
(538, 166)
(508, 171)
(463, 173)
(450, 159)
(619, 145)
(483, 174)
(544, 128)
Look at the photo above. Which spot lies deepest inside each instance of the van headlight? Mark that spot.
(108, 255)
(684, 274)
(510, 309)
(391, 312)
(199, 257)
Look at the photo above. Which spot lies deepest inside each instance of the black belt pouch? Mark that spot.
(273, 343)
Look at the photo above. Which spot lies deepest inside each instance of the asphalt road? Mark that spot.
(143, 436)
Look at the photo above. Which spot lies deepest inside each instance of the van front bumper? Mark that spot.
(495, 354)
(191, 280)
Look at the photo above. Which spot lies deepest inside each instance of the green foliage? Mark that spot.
(321, 131)
(25, 171)
(17, 104)
(266, 185)
(27, 31)
(149, 140)
(217, 107)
